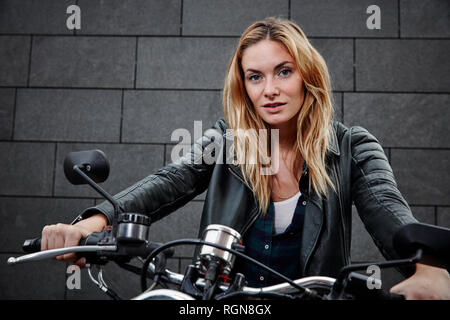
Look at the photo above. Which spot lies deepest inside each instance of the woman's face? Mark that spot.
(273, 83)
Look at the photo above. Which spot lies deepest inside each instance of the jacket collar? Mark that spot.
(334, 145)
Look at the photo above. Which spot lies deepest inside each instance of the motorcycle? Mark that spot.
(211, 275)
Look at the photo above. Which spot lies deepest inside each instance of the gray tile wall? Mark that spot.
(137, 70)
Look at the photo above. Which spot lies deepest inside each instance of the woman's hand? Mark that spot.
(64, 235)
(427, 283)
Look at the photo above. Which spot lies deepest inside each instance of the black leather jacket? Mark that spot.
(357, 166)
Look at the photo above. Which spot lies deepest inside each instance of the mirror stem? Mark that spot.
(100, 190)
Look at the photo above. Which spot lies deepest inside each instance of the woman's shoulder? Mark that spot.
(357, 142)
(356, 133)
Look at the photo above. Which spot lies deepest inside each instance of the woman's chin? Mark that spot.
(277, 121)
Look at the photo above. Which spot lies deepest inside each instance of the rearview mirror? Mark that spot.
(92, 162)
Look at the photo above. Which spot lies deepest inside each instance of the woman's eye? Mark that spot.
(254, 77)
(285, 72)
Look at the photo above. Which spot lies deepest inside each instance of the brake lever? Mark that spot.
(53, 253)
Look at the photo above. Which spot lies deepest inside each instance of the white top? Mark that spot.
(284, 211)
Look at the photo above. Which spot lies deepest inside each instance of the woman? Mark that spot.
(296, 215)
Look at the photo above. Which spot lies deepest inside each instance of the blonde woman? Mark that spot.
(291, 197)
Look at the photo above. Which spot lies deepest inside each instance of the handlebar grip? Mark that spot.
(34, 245)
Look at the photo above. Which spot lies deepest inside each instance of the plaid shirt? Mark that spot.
(279, 251)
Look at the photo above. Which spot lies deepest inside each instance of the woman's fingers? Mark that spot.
(50, 237)
(72, 238)
(61, 236)
(65, 235)
(427, 283)
(44, 238)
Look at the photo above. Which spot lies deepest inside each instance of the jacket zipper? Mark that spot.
(342, 216)
(312, 249)
(255, 213)
(342, 224)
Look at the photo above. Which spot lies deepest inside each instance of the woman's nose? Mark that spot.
(271, 90)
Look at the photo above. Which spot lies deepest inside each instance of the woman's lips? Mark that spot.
(273, 107)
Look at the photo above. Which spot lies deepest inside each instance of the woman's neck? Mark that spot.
(287, 135)
(287, 139)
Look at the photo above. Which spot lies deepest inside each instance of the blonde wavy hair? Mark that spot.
(313, 120)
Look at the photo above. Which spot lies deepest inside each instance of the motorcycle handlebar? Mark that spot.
(91, 244)
(85, 246)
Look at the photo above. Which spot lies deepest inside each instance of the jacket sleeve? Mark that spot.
(170, 187)
(380, 204)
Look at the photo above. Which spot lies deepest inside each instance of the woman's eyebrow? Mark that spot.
(276, 67)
